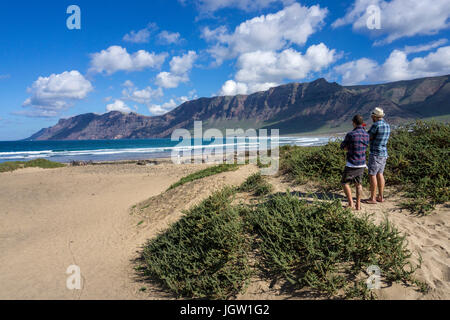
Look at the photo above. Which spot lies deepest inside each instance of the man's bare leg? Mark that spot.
(381, 182)
(373, 190)
(348, 193)
(358, 196)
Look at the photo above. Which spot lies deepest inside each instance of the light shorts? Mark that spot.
(376, 164)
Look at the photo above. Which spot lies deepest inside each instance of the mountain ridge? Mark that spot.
(294, 108)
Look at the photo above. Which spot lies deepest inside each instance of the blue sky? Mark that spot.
(150, 56)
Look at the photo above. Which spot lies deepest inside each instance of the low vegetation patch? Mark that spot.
(204, 255)
(38, 163)
(257, 185)
(323, 164)
(205, 173)
(418, 163)
(319, 246)
(324, 247)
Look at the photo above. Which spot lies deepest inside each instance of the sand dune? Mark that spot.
(50, 219)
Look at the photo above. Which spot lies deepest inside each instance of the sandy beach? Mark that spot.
(53, 218)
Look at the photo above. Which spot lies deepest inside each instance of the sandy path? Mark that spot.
(50, 219)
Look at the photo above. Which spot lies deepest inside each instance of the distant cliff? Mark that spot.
(293, 108)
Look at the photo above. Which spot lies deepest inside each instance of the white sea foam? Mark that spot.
(104, 153)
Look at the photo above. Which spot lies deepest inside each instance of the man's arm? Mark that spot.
(372, 132)
(344, 144)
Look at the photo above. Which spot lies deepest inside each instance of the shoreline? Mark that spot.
(193, 159)
(112, 150)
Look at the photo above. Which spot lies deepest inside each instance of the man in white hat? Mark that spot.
(379, 135)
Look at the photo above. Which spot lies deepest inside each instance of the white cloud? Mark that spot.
(168, 80)
(261, 70)
(261, 86)
(183, 64)
(169, 37)
(116, 58)
(232, 88)
(53, 94)
(144, 96)
(294, 24)
(141, 36)
(159, 109)
(179, 69)
(210, 6)
(396, 67)
(400, 18)
(118, 105)
(191, 96)
(128, 84)
(162, 109)
(425, 47)
(358, 71)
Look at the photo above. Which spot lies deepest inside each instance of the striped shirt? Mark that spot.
(379, 136)
(356, 142)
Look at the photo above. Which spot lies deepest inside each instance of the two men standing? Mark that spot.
(356, 143)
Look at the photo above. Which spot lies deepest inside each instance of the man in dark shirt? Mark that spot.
(355, 143)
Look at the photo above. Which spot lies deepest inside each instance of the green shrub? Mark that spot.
(257, 185)
(419, 162)
(322, 245)
(205, 173)
(204, 255)
(324, 163)
(39, 163)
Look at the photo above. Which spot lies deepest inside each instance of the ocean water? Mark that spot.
(109, 150)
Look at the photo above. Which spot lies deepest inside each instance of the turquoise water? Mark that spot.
(107, 150)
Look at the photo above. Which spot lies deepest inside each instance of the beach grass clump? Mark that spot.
(324, 247)
(203, 255)
(224, 167)
(37, 163)
(321, 163)
(257, 185)
(418, 163)
(264, 160)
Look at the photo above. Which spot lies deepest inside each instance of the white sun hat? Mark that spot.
(378, 112)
